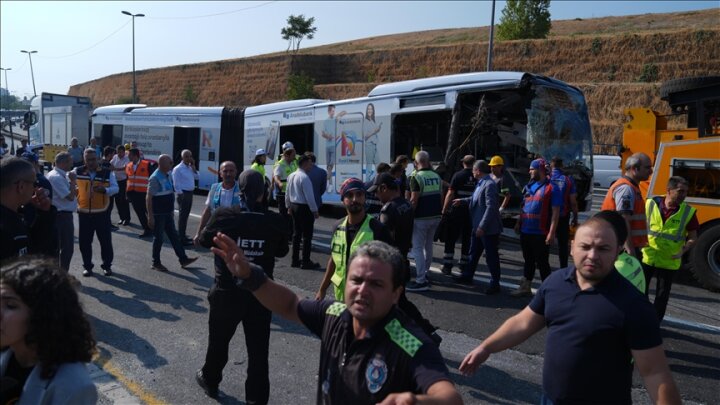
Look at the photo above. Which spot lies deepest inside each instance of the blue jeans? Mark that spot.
(489, 244)
(165, 224)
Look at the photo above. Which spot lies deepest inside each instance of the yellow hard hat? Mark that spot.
(497, 161)
(127, 146)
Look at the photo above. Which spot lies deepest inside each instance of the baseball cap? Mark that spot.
(351, 184)
(538, 164)
(252, 185)
(496, 161)
(30, 157)
(383, 178)
(260, 152)
(287, 146)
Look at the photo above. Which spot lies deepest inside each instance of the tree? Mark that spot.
(300, 86)
(297, 29)
(525, 19)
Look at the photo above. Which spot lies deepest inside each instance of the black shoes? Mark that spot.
(107, 271)
(124, 222)
(146, 234)
(187, 261)
(310, 266)
(187, 241)
(159, 267)
(296, 264)
(211, 391)
(114, 228)
(463, 280)
(492, 290)
(87, 273)
(446, 270)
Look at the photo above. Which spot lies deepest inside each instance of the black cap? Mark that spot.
(383, 178)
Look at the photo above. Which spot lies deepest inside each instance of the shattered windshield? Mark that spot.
(558, 125)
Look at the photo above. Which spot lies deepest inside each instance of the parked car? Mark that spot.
(606, 169)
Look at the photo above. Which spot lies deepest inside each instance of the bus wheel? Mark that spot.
(705, 259)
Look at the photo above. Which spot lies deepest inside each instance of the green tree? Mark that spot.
(298, 28)
(300, 86)
(525, 19)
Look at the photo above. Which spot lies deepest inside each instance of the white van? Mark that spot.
(606, 169)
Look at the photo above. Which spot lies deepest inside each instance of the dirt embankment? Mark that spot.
(615, 70)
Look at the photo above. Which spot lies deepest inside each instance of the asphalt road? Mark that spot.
(152, 330)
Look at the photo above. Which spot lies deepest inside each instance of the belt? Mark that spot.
(65, 212)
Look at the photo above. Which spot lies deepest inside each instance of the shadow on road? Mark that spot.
(127, 341)
(151, 293)
(490, 385)
(130, 306)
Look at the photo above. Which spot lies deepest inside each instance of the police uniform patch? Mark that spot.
(376, 374)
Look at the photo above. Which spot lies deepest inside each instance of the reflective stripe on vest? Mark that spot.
(666, 239)
(536, 209)
(429, 204)
(90, 202)
(335, 309)
(638, 220)
(339, 253)
(402, 337)
(287, 169)
(258, 168)
(630, 268)
(137, 176)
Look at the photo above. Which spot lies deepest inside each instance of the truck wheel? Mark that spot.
(686, 83)
(705, 259)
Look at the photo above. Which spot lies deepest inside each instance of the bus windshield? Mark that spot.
(558, 125)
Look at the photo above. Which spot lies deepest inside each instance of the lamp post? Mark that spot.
(490, 42)
(7, 87)
(32, 74)
(133, 50)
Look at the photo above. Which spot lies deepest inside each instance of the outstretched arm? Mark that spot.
(653, 368)
(513, 332)
(442, 392)
(273, 296)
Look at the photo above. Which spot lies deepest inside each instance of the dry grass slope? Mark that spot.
(619, 62)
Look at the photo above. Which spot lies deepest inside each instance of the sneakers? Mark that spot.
(87, 273)
(310, 266)
(107, 271)
(415, 286)
(187, 261)
(492, 290)
(446, 270)
(211, 391)
(523, 289)
(159, 267)
(463, 280)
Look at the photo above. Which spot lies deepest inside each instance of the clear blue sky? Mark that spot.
(83, 41)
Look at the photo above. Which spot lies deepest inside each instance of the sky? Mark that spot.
(82, 41)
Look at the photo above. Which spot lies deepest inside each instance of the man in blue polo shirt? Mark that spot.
(597, 321)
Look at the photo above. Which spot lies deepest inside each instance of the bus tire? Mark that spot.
(705, 259)
(686, 83)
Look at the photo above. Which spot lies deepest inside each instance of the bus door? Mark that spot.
(301, 137)
(110, 135)
(349, 150)
(186, 138)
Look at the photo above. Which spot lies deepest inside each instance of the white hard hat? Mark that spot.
(260, 152)
(288, 145)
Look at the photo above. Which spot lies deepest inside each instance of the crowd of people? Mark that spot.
(614, 256)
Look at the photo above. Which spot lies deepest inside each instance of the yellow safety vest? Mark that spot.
(630, 268)
(287, 168)
(339, 253)
(89, 201)
(665, 239)
(258, 168)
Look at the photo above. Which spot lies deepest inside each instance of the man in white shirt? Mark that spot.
(300, 200)
(64, 187)
(118, 163)
(184, 175)
(224, 194)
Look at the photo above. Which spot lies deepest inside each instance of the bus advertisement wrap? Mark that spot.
(152, 141)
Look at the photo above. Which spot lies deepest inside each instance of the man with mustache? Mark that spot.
(350, 232)
(371, 352)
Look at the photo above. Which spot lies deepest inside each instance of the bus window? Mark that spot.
(301, 137)
(421, 131)
(186, 138)
(110, 135)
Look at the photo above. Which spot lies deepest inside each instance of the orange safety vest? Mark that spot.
(90, 202)
(638, 219)
(137, 178)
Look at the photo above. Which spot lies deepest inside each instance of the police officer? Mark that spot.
(260, 233)
(370, 351)
(462, 185)
(281, 171)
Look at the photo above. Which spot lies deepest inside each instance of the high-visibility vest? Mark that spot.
(163, 199)
(429, 204)
(665, 239)
(287, 169)
(630, 268)
(137, 178)
(258, 168)
(339, 253)
(638, 220)
(91, 202)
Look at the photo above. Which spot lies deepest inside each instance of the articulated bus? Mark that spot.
(519, 116)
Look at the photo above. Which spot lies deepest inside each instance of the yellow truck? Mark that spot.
(692, 152)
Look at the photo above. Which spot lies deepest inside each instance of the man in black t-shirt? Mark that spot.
(457, 217)
(370, 351)
(397, 215)
(372, 203)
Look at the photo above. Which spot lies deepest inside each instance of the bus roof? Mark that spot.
(442, 82)
(282, 105)
(142, 109)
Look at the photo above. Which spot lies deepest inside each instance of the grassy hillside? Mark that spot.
(619, 62)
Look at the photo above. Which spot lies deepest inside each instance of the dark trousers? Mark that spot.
(121, 201)
(304, 224)
(91, 224)
(66, 237)
(490, 245)
(459, 226)
(138, 202)
(165, 225)
(536, 254)
(184, 202)
(227, 309)
(283, 210)
(662, 287)
(563, 238)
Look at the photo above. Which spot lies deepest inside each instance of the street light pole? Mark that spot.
(7, 87)
(492, 34)
(134, 96)
(31, 69)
